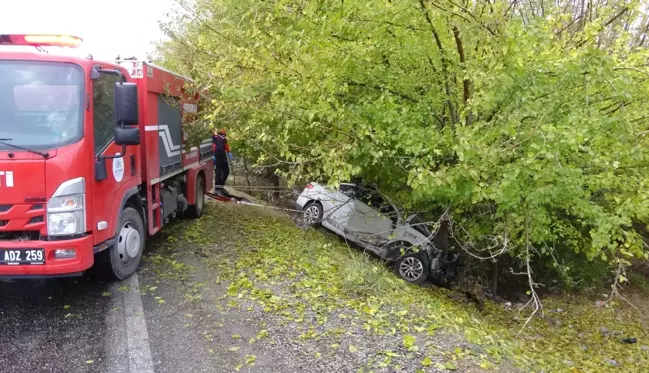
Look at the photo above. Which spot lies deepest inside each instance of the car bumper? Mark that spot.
(53, 267)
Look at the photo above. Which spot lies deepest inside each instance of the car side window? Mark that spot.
(375, 200)
(350, 190)
(103, 115)
(369, 197)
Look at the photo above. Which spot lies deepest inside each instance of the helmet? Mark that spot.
(221, 131)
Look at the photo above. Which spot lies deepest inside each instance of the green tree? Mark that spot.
(525, 119)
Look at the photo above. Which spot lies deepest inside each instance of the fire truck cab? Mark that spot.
(92, 159)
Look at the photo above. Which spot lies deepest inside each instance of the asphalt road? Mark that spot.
(83, 325)
(53, 325)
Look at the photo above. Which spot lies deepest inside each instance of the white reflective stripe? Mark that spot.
(150, 128)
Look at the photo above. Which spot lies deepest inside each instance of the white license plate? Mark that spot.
(22, 256)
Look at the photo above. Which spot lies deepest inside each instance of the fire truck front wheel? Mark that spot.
(123, 258)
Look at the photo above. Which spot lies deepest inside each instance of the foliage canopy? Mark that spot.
(526, 120)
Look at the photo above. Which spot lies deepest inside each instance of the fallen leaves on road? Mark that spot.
(322, 288)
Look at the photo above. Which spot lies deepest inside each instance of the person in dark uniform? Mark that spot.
(221, 153)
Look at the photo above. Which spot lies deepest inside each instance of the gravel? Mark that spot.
(337, 345)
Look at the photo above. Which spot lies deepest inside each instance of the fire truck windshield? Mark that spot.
(41, 104)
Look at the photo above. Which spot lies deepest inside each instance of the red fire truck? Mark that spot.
(92, 159)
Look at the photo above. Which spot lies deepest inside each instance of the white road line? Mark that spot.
(128, 339)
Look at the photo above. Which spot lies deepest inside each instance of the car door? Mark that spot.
(366, 221)
(338, 206)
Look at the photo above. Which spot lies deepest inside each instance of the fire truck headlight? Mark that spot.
(66, 210)
(63, 223)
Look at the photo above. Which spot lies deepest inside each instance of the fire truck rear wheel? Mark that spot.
(123, 258)
(196, 211)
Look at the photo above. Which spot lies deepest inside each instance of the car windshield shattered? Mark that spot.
(40, 104)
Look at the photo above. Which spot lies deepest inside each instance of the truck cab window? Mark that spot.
(103, 102)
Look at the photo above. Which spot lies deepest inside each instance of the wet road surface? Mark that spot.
(85, 325)
(80, 325)
(53, 325)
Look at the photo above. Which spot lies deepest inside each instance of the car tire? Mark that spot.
(312, 214)
(412, 268)
(196, 211)
(122, 259)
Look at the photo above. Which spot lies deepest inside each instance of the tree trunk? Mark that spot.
(245, 168)
(494, 277)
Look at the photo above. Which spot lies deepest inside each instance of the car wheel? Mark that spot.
(412, 268)
(312, 214)
(122, 259)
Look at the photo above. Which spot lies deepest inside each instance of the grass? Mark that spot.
(305, 277)
(639, 281)
(362, 276)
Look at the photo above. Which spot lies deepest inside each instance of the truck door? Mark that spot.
(121, 172)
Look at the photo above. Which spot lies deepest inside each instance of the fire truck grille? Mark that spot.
(36, 219)
(20, 236)
(21, 221)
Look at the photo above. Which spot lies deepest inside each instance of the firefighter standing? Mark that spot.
(221, 153)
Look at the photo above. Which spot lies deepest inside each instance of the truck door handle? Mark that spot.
(132, 164)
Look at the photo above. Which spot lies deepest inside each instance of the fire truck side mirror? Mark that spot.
(126, 110)
(127, 136)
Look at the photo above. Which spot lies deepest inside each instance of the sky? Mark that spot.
(117, 27)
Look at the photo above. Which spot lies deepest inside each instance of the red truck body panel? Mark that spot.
(143, 169)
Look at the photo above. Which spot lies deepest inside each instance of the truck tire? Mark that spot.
(196, 211)
(122, 259)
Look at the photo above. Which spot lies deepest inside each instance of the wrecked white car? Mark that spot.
(364, 217)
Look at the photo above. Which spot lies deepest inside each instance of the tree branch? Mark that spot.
(460, 52)
(438, 42)
(383, 88)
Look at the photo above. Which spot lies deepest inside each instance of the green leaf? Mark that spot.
(408, 341)
(450, 366)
